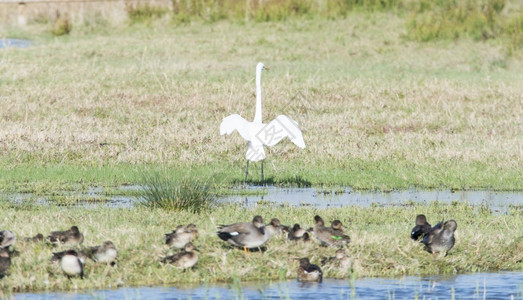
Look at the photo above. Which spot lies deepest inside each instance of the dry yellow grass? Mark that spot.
(361, 93)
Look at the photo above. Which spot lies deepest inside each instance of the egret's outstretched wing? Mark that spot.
(278, 129)
(235, 122)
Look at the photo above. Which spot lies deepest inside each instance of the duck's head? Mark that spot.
(450, 225)
(180, 229)
(108, 244)
(304, 263)
(336, 224)
(189, 247)
(75, 229)
(421, 220)
(275, 222)
(192, 228)
(318, 220)
(258, 221)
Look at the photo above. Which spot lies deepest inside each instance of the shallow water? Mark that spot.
(15, 43)
(497, 201)
(504, 285)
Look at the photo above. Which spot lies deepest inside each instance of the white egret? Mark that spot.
(259, 134)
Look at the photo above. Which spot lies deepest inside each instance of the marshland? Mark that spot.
(389, 96)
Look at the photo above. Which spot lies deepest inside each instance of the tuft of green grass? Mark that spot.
(185, 194)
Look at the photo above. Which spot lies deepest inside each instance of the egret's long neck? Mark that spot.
(258, 114)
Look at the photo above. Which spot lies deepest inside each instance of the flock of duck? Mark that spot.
(71, 261)
(247, 235)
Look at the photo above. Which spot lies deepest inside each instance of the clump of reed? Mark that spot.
(185, 194)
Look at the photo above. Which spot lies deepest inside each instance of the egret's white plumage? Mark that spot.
(259, 134)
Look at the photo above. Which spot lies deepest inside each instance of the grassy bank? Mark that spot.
(380, 244)
(377, 110)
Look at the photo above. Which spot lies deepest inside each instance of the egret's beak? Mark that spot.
(266, 68)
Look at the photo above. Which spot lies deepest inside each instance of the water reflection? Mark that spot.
(505, 285)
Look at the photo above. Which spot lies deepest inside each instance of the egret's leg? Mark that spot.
(246, 171)
(262, 170)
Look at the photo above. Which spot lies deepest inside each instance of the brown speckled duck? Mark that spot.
(297, 233)
(35, 239)
(275, 228)
(66, 237)
(181, 236)
(106, 253)
(185, 259)
(327, 235)
(340, 260)
(193, 230)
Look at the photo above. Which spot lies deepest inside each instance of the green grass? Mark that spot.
(380, 244)
(377, 110)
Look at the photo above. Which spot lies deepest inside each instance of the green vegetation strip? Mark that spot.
(380, 244)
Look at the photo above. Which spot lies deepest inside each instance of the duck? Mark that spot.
(275, 228)
(441, 237)
(246, 235)
(193, 230)
(57, 256)
(7, 239)
(106, 253)
(422, 227)
(308, 272)
(327, 235)
(70, 236)
(71, 264)
(35, 239)
(298, 233)
(5, 261)
(179, 237)
(185, 259)
(340, 260)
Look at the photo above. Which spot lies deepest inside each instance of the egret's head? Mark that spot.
(260, 66)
